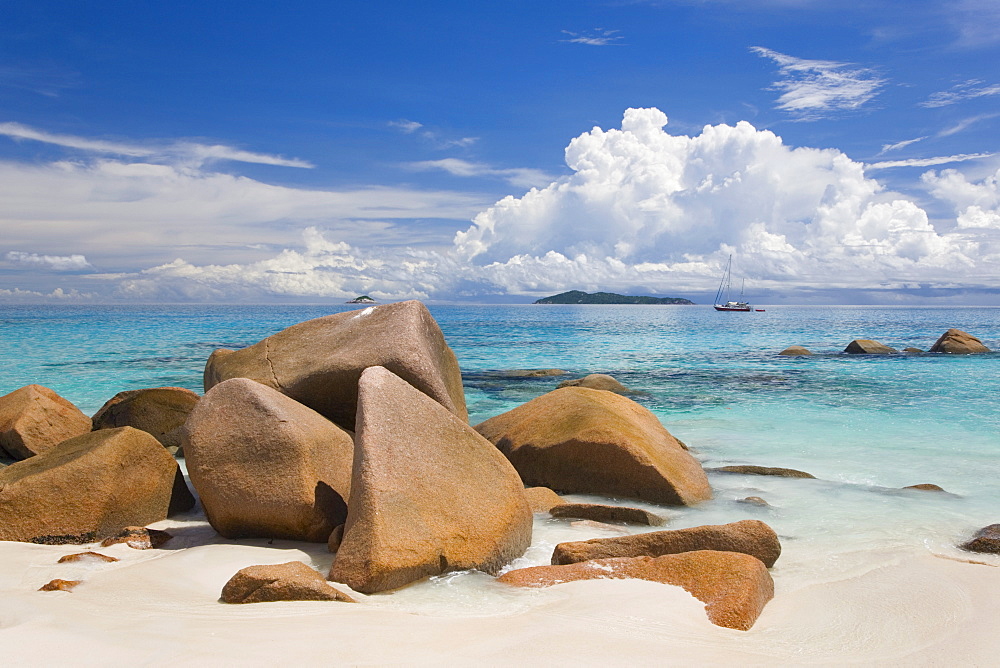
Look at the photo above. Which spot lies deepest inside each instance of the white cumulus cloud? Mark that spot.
(53, 262)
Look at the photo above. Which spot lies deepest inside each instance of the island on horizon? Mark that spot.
(579, 297)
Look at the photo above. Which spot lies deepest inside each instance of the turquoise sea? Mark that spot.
(865, 426)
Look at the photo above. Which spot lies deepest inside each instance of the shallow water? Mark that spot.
(864, 425)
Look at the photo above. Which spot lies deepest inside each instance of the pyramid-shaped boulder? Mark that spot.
(319, 362)
(429, 494)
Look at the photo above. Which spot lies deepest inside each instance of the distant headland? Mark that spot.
(578, 297)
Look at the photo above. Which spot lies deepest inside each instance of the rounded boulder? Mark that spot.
(34, 418)
(159, 411)
(265, 466)
(88, 487)
(578, 440)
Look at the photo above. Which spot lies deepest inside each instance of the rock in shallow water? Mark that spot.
(986, 540)
(579, 440)
(868, 347)
(34, 419)
(319, 362)
(955, 341)
(602, 513)
(429, 494)
(795, 351)
(751, 537)
(750, 469)
(735, 587)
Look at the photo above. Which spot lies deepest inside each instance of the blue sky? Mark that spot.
(842, 151)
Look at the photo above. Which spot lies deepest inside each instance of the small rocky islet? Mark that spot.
(352, 430)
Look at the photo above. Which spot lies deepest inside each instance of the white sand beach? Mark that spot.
(161, 607)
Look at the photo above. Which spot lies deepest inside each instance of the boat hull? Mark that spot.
(742, 309)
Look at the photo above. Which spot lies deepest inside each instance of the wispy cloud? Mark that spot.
(813, 89)
(406, 126)
(967, 90)
(53, 262)
(929, 162)
(886, 148)
(436, 138)
(524, 177)
(178, 151)
(595, 37)
(41, 80)
(977, 22)
(965, 123)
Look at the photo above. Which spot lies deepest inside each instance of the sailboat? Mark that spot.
(724, 287)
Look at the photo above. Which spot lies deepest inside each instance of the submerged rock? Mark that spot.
(588, 441)
(602, 513)
(532, 373)
(735, 587)
(88, 487)
(596, 381)
(955, 341)
(986, 540)
(751, 537)
(318, 362)
(160, 411)
(265, 466)
(795, 350)
(429, 494)
(913, 351)
(750, 469)
(754, 501)
(291, 581)
(868, 347)
(927, 487)
(34, 419)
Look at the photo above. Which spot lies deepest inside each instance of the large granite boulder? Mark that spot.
(89, 487)
(596, 381)
(751, 537)
(734, 587)
(291, 581)
(956, 341)
(429, 494)
(318, 362)
(265, 466)
(160, 411)
(868, 347)
(578, 440)
(794, 351)
(35, 418)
